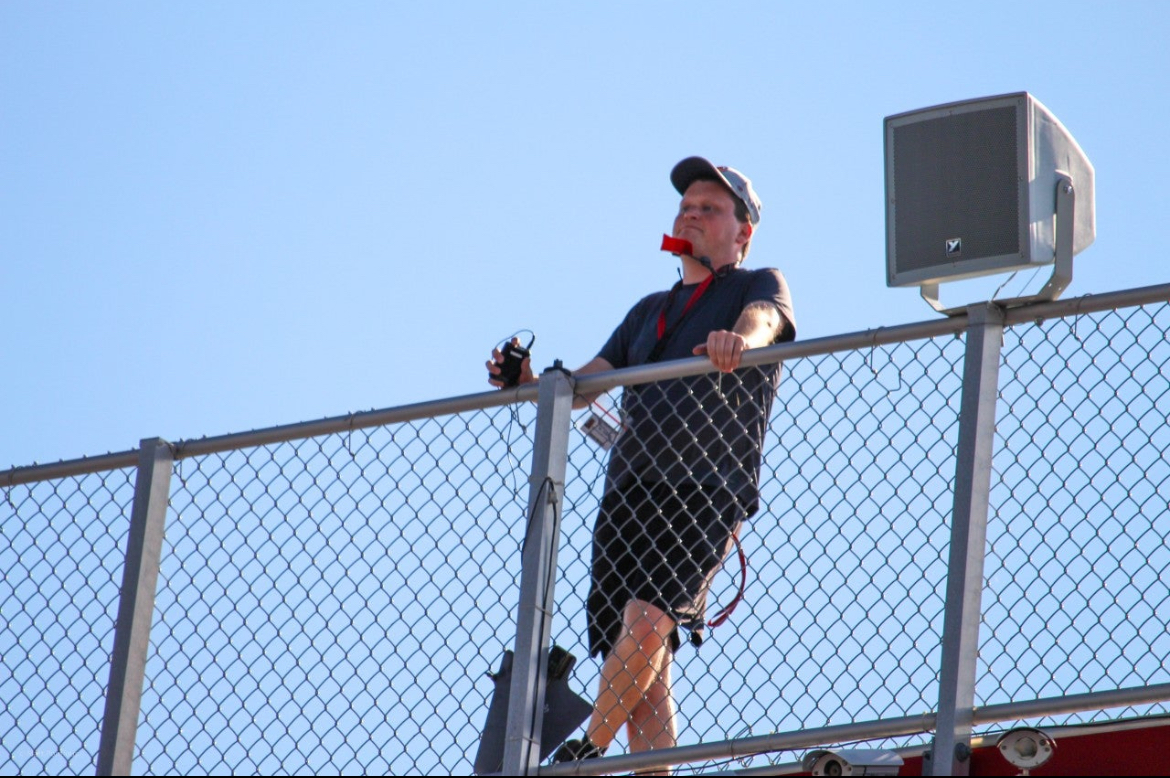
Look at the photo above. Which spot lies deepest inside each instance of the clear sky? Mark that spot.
(219, 216)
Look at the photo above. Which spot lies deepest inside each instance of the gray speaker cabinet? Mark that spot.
(972, 190)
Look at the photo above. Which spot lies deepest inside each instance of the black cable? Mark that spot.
(550, 485)
(514, 463)
(514, 409)
(552, 547)
(517, 334)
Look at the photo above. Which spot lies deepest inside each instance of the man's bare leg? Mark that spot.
(653, 723)
(638, 666)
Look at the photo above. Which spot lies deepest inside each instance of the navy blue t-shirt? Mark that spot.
(706, 429)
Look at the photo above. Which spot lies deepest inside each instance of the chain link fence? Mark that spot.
(334, 603)
(62, 550)
(1078, 561)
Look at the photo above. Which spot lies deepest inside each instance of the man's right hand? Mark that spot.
(497, 360)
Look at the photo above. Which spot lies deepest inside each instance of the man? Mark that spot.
(684, 473)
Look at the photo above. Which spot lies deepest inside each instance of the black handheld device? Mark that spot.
(514, 355)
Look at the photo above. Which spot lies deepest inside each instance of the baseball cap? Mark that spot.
(692, 169)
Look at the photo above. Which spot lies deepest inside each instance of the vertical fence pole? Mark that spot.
(136, 608)
(538, 571)
(960, 640)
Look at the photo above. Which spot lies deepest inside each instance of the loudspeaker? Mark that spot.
(971, 189)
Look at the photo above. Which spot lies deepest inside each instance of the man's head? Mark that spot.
(709, 182)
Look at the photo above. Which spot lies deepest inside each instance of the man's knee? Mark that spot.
(642, 714)
(651, 705)
(648, 624)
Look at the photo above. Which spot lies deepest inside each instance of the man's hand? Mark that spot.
(495, 363)
(757, 326)
(724, 348)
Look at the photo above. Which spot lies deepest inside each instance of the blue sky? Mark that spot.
(222, 216)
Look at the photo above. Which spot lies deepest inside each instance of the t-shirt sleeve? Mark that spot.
(768, 285)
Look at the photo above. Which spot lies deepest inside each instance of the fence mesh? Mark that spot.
(62, 552)
(1077, 596)
(333, 604)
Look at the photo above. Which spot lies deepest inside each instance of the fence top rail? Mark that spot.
(598, 382)
(66, 468)
(278, 434)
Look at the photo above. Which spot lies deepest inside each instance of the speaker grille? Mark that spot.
(956, 177)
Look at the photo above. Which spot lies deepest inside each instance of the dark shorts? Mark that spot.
(661, 544)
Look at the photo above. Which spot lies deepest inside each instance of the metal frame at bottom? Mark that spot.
(860, 731)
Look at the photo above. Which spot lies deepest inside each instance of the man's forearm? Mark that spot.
(758, 324)
(595, 365)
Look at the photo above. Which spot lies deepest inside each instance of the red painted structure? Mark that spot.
(1139, 746)
(1127, 747)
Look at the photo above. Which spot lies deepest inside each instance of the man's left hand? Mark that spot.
(724, 348)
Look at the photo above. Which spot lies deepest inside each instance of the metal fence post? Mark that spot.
(538, 571)
(136, 607)
(960, 639)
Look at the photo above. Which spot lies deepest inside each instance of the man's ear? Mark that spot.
(745, 233)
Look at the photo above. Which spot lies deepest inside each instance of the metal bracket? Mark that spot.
(1062, 267)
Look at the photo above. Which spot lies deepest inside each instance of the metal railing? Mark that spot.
(331, 595)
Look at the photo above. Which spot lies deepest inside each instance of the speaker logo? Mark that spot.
(954, 247)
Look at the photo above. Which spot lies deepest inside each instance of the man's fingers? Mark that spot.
(724, 349)
(494, 369)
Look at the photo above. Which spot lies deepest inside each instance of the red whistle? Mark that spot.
(677, 246)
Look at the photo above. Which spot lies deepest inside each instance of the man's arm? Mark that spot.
(595, 365)
(758, 325)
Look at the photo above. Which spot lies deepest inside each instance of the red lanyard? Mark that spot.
(695, 295)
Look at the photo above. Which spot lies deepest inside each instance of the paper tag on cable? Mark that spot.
(600, 431)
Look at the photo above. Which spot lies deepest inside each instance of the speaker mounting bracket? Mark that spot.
(1062, 267)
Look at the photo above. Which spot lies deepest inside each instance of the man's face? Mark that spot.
(706, 217)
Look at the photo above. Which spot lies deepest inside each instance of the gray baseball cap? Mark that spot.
(692, 169)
